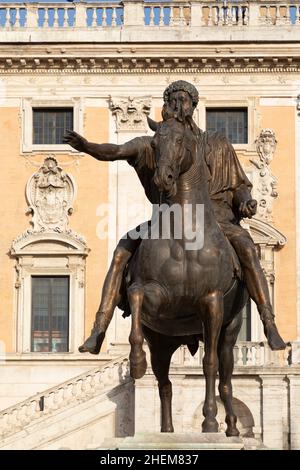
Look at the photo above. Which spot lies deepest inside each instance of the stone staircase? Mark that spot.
(77, 414)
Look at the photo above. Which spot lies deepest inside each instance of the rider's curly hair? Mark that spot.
(182, 85)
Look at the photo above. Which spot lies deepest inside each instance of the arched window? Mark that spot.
(49, 291)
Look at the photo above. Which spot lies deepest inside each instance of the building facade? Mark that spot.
(100, 69)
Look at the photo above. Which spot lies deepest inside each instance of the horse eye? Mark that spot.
(179, 141)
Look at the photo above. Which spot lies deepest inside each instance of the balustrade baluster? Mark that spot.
(55, 18)
(224, 17)
(171, 22)
(65, 17)
(278, 18)
(152, 16)
(250, 361)
(3, 425)
(4, 16)
(210, 16)
(161, 16)
(67, 393)
(94, 18)
(17, 18)
(229, 15)
(105, 17)
(254, 355)
(93, 382)
(246, 15)
(46, 18)
(57, 398)
(268, 15)
(181, 16)
(288, 14)
(114, 17)
(240, 361)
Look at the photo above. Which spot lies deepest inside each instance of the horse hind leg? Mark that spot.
(226, 344)
(137, 357)
(212, 317)
(161, 351)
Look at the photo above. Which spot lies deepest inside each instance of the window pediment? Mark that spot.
(43, 243)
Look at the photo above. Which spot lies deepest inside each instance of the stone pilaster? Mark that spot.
(295, 411)
(273, 410)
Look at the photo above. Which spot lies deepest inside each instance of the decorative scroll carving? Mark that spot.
(130, 113)
(264, 183)
(50, 193)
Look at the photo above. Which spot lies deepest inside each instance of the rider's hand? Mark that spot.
(75, 140)
(248, 208)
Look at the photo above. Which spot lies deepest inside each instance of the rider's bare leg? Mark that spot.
(110, 294)
(257, 287)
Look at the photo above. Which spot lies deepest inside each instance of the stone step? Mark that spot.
(175, 441)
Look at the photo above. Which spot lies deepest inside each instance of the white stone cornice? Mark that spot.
(149, 58)
(154, 65)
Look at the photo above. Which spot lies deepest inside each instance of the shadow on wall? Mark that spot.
(245, 420)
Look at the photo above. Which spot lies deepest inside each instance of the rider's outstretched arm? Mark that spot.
(103, 152)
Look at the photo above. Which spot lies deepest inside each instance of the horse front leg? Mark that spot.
(212, 309)
(137, 356)
(226, 362)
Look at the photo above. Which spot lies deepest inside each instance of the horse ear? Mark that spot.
(152, 124)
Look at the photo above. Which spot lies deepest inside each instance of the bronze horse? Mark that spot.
(178, 295)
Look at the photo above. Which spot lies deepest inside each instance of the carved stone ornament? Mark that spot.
(264, 183)
(130, 113)
(50, 194)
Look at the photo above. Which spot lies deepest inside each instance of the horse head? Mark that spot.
(174, 144)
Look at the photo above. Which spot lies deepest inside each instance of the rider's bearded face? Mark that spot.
(181, 103)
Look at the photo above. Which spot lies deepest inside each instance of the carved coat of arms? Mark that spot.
(50, 193)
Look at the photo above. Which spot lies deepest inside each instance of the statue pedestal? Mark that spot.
(174, 441)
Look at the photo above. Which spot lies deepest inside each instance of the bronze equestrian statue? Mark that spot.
(200, 169)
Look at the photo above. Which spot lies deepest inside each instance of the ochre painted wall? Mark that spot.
(282, 121)
(92, 184)
(14, 173)
(91, 178)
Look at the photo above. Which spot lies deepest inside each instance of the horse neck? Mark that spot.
(192, 186)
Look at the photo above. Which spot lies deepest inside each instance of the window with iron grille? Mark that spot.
(50, 314)
(230, 122)
(51, 124)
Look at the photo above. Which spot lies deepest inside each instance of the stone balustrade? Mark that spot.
(80, 388)
(163, 14)
(252, 360)
(246, 354)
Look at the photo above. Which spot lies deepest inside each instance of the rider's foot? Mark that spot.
(275, 341)
(93, 343)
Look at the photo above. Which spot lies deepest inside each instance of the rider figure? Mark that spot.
(230, 192)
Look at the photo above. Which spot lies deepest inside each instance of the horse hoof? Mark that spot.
(210, 425)
(138, 368)
(232, 432)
